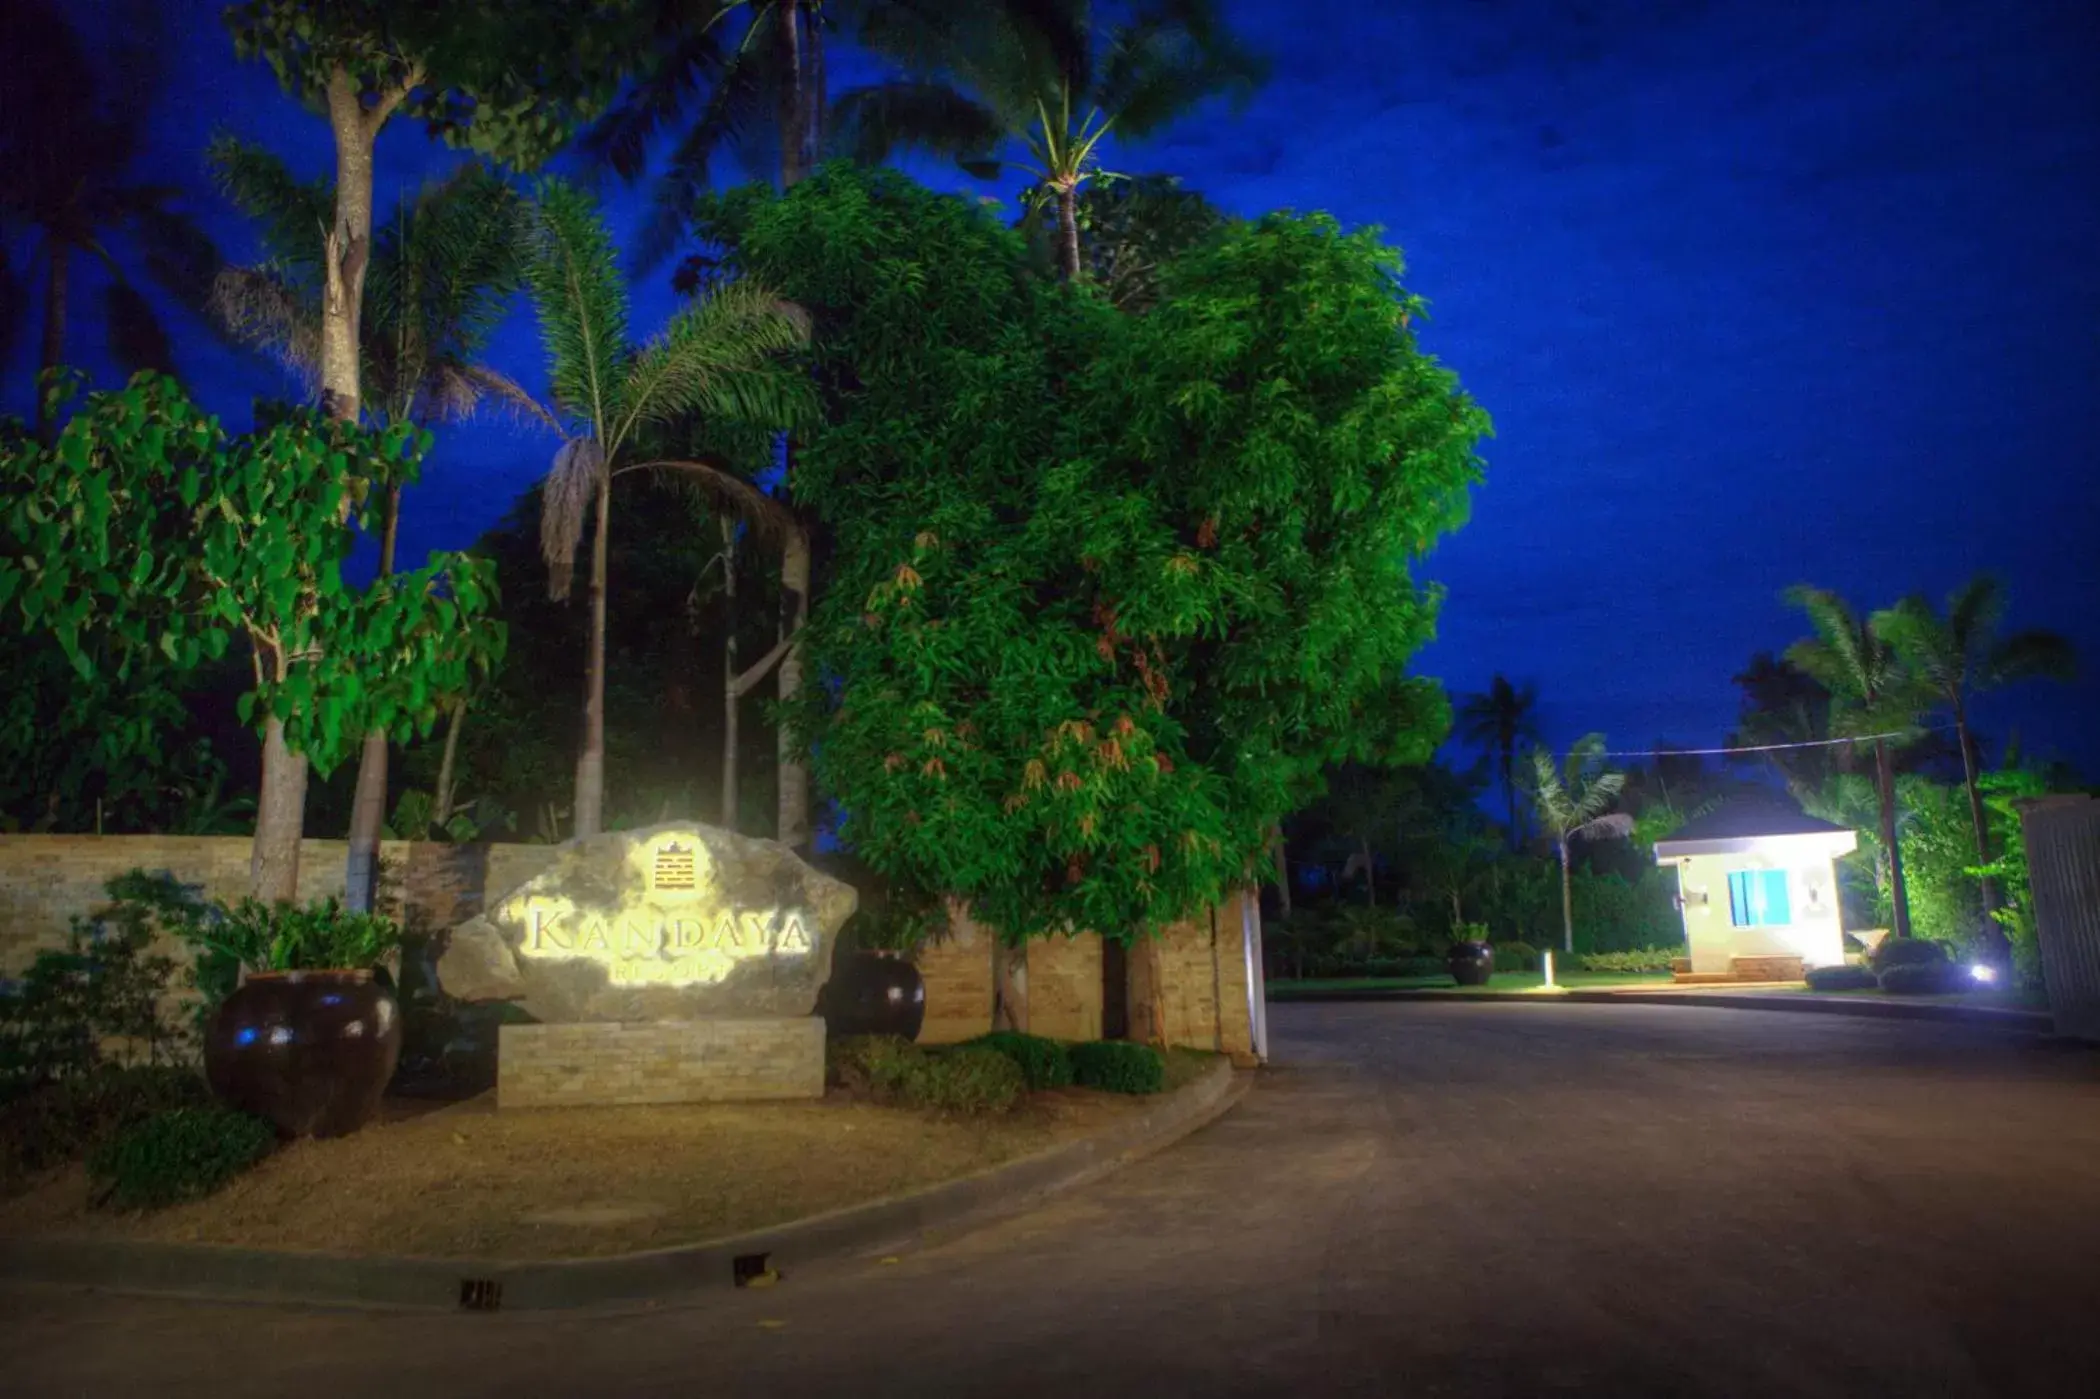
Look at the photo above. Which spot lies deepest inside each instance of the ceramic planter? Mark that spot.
(874, 993)
(310, 1051)
(1471, 963)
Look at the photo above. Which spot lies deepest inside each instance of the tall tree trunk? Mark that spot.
(1567, 904)
(1282, 848)
(368, 807)
(57, 282)
(590, 758)
(1509, 788)
(1885, 789)
(1068, 233)
(1009, 985)
(793, 830)
(794, 98)
(1994, 936)
(1363, 846)
(273, 867)
(731, 695)
(448, 766)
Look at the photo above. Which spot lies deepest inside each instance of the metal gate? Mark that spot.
(2063, 858)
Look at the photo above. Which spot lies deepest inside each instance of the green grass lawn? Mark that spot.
(1500, 982)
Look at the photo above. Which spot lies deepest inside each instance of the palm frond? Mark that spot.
(720, 487)
(261, 308)
(688, 60)
(872, 124)
(1837, 657)
(581, 298)
(1157, 70)
(1925, 643)
(1615, 825)
(566, 497)
(718, 357)
(292, 215)
(494, 386)
(137, 339)
(1975, 611)
(2031, 655)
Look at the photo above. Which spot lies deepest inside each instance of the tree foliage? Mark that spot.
(146, 529)
(512, 80)
(1109, 594)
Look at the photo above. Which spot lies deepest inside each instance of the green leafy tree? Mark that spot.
(1960, 653)
(1501, 720)
(1054, 81)
(1096, 621)
(1130, 229)
(512, 80)
(1874, 697)
(70, 136)
(441, 274)
(721, 359)
(145, 528)
(1574, 801)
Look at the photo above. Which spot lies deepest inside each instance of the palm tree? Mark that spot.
(1961, 653)
(440, 276)
(718, 358)
(1573, 800)
(1048, 77)
(68, 157)
(1501, 720)
(1873, 698)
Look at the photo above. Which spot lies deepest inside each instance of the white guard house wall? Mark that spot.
(1812, 929)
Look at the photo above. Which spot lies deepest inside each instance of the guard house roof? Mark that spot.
(1741, 825)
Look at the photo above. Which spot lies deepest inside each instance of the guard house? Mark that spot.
(1757, 886)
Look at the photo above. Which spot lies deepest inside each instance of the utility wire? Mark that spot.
(1769, 747)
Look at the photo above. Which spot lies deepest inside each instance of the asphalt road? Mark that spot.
(1422, 1199)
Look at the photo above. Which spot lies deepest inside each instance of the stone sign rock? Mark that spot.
(676, 922)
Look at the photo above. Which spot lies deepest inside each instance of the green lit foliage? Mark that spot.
(509, 78)
(100, 1001)
(1100, 614)
(2001, 792)
(181, 1154)
(146, 529)
(1574, 799)
(321, 936)
(1939, 850)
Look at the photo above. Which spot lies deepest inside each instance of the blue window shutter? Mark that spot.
(1776, 909)
(1741, 909)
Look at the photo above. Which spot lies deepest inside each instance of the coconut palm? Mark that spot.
(1501, 720)
(441, 273)
(1873, 698)
(719, 358)
(1574, 799)
(1050, 80)
(69, 136)
(1961, 653)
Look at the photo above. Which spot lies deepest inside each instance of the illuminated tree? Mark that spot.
(1574, 799)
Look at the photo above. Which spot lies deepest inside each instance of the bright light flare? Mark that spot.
(1983, 973)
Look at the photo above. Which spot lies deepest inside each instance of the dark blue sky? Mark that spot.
(1757, 291)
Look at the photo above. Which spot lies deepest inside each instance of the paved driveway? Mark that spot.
(1424, 1199)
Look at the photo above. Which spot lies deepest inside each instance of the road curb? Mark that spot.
(436, 1284)
(1993, 1017)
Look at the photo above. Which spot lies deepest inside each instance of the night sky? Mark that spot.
(1757, 291)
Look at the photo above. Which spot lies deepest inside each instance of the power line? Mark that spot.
(1768, 747)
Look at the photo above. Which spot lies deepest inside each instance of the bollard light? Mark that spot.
(1546, 961)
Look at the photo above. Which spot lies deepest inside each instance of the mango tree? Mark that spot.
(146, 529)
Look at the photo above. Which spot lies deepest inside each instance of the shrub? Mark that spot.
(1043, 1062)
(1907, 952)
(1841, 977)
(1631, 963)
(1516, 957)
(181, 1154)
(66, 1120)
(970, 1079)
(1119, 1066)
(894, 1071)
(105, 987)
(872, 1064)
(1924, 979)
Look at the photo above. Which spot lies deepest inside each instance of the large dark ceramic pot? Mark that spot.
(871, 993)
(310, 1051)
(1471, 963)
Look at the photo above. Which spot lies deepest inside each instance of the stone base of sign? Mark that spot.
(596, 1064)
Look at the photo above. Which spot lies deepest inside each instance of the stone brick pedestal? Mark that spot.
(589, 1064)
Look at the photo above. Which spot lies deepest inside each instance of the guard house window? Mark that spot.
(1757, 898)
